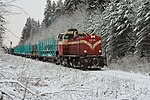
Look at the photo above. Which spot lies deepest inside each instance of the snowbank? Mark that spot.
(132, 64)
(52, 82)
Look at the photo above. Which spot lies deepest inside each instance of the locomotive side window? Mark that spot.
(69, 36)
(60, 37)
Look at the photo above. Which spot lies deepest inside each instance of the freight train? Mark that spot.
(72, 48)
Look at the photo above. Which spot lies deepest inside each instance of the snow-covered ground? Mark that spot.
(34, 80)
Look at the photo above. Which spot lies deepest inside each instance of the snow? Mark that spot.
(0, 94)
(148, 18)
(48, 81)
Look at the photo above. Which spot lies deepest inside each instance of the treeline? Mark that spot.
(31, 27)
(3, 12)
(123, 24)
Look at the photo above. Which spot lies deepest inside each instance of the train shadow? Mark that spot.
(86, 69)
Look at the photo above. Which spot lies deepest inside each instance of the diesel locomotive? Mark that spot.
(72, 48)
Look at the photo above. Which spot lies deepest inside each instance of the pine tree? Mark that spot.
(72, 5)
(26, 29)
(31, 27)
(2, 29)
(34, 26)
(53, 7)
(48, 14)
(142, 30)
(38, 24)
(97, 4)
(59, 6)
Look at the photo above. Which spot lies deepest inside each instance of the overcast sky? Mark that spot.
(33, 9)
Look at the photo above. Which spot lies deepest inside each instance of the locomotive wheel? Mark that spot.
(61, 61)
(66, 62)
(75, 63)
(83, 64)
(71, 64)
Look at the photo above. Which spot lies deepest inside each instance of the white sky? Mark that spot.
(34, 9)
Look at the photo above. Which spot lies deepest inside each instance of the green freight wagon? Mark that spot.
(47, 47)
(18, 49)
(25, 49)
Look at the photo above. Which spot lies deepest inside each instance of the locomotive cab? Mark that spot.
(71, 35)
(66, 39)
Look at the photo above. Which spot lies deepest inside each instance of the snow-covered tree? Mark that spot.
(72, 5)
(97, 4)
(95, 9)
(51, 11)
(3, 11)
(30, 28)
(59, 7)
(59, 4)
(26, 29)
(116, 29)
(38, 24)
(53, 7)
(48, 14)
(142, 30)
(2, 28)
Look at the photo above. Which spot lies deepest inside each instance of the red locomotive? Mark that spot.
(79, 49)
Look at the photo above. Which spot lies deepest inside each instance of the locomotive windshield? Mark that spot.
(69, 36)
(81, 35)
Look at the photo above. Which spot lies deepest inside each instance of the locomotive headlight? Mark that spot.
(100, 51)
(85, 51)
(92, 36)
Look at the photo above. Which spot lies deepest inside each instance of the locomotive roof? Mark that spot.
(71, 32)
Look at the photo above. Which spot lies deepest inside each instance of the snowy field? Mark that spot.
(27, 79)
